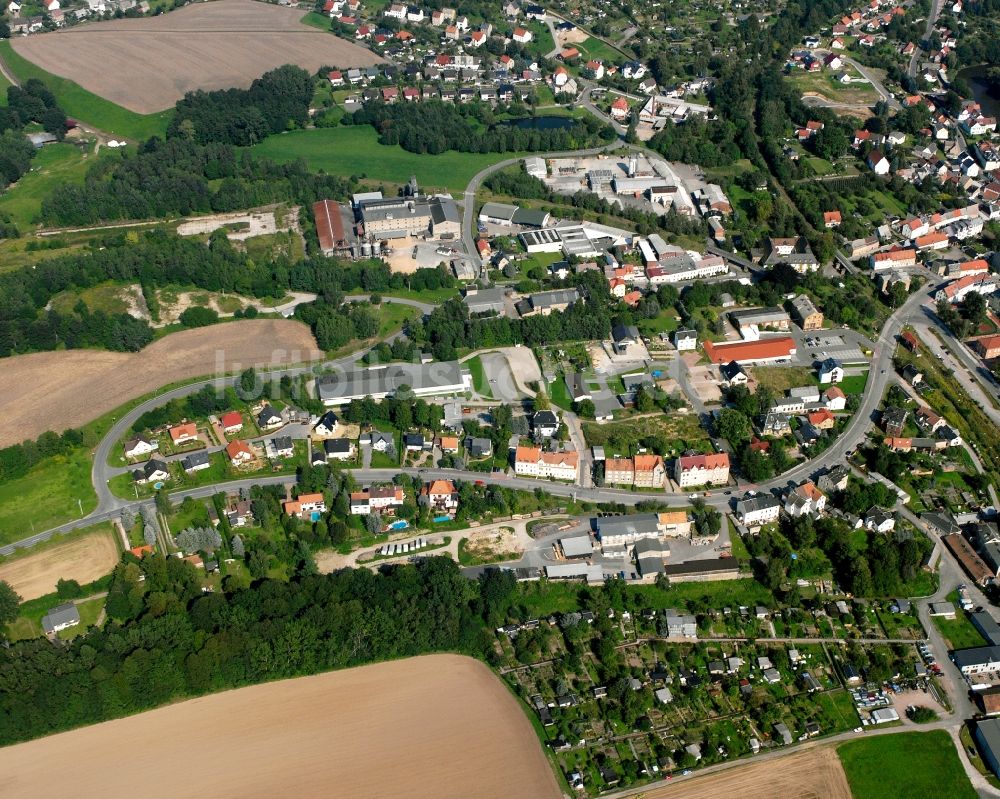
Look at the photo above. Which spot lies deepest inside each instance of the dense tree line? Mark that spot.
(28, 103)
(180, 177)
(276, 101)
(17, 459)
(435, 127)
(166, 640)
(158, 258)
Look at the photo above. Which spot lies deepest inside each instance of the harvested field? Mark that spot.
(84, 558)
(811, 774)
(148, 64)
(70, 388)
(437, 726)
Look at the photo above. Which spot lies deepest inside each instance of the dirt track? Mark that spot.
(811, 774)
(83, 559)
(147, 65)
(57, 390)
(436, 727)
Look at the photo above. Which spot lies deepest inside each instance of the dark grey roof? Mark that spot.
(545, 419)
(625, 332)
(976, 656)
(336, 445)
(650, 564)
(731, 370)
(60, 615)
(633, 523)
(529, 217)
(267, 414)
(282, 442)
(193, 459)
(698, 566)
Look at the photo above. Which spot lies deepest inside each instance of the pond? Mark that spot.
(541, 123)
(985, 93)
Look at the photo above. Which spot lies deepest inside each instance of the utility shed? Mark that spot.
(577, 546)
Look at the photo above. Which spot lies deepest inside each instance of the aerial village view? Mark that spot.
(500, 399)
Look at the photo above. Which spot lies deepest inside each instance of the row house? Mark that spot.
(533, 462)
(698, 470)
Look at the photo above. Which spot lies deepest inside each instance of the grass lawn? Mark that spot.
(958, 631)
(104, 297)
(664, 322)
(479, 381)
(46, 496)
(316, 20)
(906, 766)
(4, 85)
(854, 384)
(392, 316)
(84, 105)
(685, 430)
(52, 166)
(90, 610)
(347, 151)
(820, 166)
(781, 378)
(598, 49)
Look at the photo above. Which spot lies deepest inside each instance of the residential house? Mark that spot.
(545, 423)
(195, 461)
(268, 418)
(152, 471)
(140, 446)
(232, 422)
(338, 449)
(697, 470)
(830, 371)
(441, 497)
(183, 433)
(382, 499)
(306, 506)
(59, 618)
(239, 453)
(327, 425)
(533, 462)
(754, 510)
(805, 499)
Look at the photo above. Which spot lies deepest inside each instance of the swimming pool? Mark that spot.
(315, 516)
(442, 518)
(402, 524)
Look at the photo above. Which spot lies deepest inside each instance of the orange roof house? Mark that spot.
(183, 432)
(232, 420)
(239, 451)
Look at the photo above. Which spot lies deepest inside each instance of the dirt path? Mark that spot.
(434, 727)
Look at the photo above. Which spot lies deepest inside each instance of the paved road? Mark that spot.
(936, 6)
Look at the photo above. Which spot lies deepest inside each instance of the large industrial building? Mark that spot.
(438, 378)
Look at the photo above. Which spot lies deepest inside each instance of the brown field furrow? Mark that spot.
(148, 64)
(810, 774)
(57, 390)
(84, 559)
(435, 727)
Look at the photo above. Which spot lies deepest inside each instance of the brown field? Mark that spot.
(56, 390)
(438, 726)
(810, 774)
(147, 65)
(84, 559)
